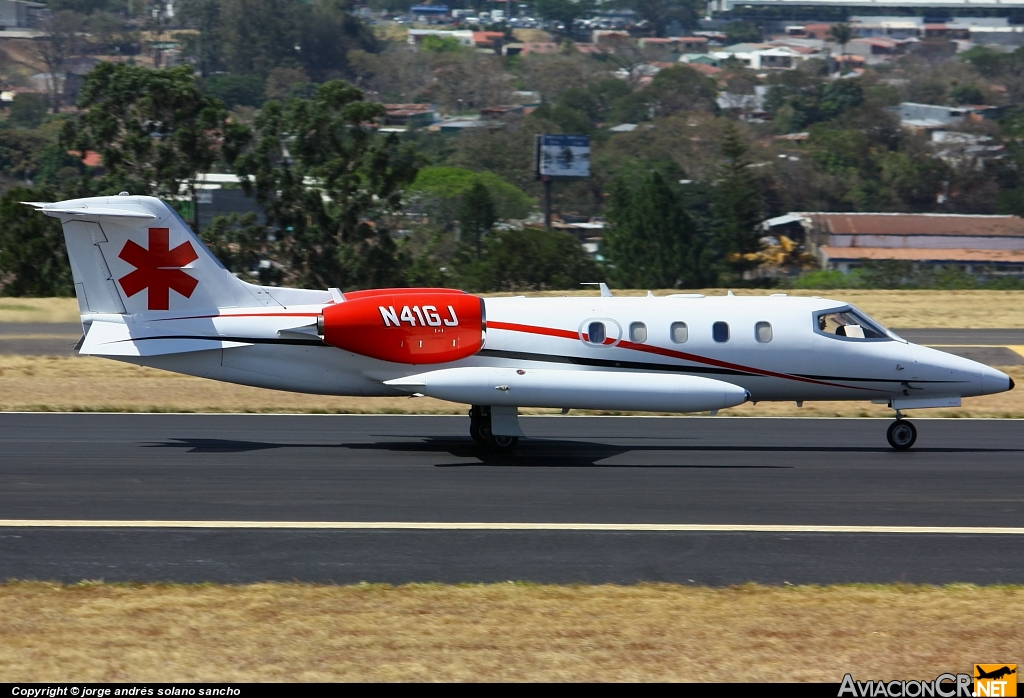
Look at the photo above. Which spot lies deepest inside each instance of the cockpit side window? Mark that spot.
(850, 324)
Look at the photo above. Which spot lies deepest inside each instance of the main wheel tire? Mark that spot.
(901, 434)
(503, 444)
(474, 433)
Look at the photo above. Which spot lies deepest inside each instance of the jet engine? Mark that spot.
(407, 325)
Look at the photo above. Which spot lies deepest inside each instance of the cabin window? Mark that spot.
(763, 332)
(720, 332)
(679, 332)
(850, 324)
(596, 333)
(638, 332)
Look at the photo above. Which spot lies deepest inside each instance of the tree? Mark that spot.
(235, 90)
(205, 17)
(737, 32)
(652, 241)
(527, 259)
(59, 44)
(33, 259)
(154, 129)
(28, 109)
(327, 182)
(327, 32)
(737, 204)
(841, 34)
(679, 88)
(662, 14)
(451, 183)
(476, 215)
(564, 11)
(260, 35)
(241, 244)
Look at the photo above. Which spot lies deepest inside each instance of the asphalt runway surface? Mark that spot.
(987, 346)
(344, 499)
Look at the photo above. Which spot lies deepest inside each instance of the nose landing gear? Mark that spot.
(902, 433)
(480, 431)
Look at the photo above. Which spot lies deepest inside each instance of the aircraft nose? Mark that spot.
(993, 381)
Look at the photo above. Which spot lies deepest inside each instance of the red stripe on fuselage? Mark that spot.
(671, 353)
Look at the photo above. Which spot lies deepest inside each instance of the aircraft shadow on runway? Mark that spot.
(549, 453)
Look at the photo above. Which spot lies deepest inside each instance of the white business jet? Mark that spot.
(152, 294)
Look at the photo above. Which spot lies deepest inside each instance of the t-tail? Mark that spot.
(136, 262)
(134, 254)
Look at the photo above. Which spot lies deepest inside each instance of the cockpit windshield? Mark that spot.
(850, 323)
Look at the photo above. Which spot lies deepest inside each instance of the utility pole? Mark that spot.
(546, 181)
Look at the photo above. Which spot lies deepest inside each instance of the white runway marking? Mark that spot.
(510, 526)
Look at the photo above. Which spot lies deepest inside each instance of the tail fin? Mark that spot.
(134, 254)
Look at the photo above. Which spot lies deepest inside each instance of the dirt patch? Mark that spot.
(502, 632)
(88, 384)
(911, 309)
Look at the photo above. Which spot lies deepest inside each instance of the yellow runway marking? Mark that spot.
(1018, 348)
(506, 526)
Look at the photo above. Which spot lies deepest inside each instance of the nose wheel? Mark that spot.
(901, 434)
(480, 431)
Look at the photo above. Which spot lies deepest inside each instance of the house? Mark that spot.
(876, 49)
(609, 36)
(694, 59)
(764, 56)
(20, 14)
(501, 111)
(677, 44)
(409, 115)
(974, 243)
(491, 40)
(928, 117)
(463, 36)
(890, 27)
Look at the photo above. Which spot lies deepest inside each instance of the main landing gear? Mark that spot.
(480, 430)
(902, 433)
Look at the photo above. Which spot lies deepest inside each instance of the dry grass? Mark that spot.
(516, 632)
(87, 384)
(38, 310)
(911, 309)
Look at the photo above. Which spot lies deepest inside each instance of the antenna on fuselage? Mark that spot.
(605, 291)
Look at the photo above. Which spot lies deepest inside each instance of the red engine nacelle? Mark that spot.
(407, 325)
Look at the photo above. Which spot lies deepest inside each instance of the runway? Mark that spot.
(241, 498)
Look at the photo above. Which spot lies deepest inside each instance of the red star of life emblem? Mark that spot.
(158, 268)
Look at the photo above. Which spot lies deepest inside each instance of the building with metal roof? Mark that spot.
(844, 241)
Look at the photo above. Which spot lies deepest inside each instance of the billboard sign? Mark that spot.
(562, 156)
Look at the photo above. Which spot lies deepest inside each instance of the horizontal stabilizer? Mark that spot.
(120, 339)
(582, 389)
(57, 210)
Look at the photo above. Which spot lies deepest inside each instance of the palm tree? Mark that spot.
(840, 34)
